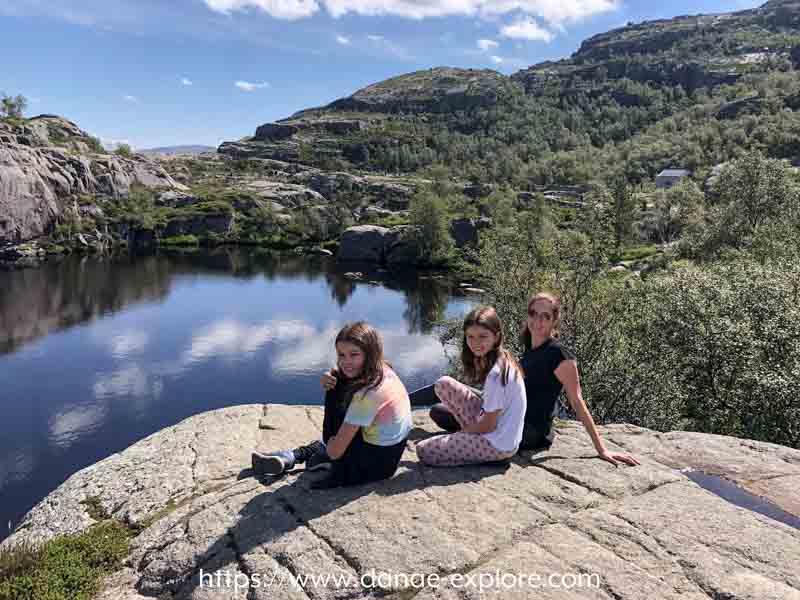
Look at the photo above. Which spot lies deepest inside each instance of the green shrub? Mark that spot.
(95, 145)
(719, 345)
(124, 150)
(180, 240)
(68, 567)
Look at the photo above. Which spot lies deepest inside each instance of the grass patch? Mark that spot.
(69, 567)
(180, 240)
(635, 253)
(94, 508)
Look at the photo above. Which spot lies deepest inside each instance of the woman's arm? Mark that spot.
(339, 443)
(486, 424)
(567, 374)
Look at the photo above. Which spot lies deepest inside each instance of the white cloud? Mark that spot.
(552, 11)
(487, 45)
(128, 381)
(527, 29)
(186, 81)
(70, 425)
(343, 40)
(497, 60)
(232, 338)
(131, 99)
(128, 342)
(251, 87)
(280, 9)
(375, 38)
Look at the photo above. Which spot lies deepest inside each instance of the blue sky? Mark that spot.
(167, 72)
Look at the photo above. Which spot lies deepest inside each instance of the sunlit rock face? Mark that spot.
(645, 532)
(48, 162)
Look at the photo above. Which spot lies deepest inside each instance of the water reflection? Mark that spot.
(69, 425)
(37, 302)
(97, 353)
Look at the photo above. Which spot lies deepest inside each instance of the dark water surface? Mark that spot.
(96, 354)
(741, 497)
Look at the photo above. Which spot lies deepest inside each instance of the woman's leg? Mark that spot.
(458, 449)
(459, 399)
(442, 416)
(363, 462)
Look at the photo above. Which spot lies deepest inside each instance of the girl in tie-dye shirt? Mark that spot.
(367, 417)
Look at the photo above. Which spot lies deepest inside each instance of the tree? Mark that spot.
(13, 107)
(624, 211)
(756, 204)
(757, 188)
(428, 216)
(675, 211)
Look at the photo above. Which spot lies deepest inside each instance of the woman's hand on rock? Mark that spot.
(328, 381)
(615, 458)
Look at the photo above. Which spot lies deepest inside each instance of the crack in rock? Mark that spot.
(572, 479)
(242, 565)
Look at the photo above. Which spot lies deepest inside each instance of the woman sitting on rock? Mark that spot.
(549, 368)
(367, 417)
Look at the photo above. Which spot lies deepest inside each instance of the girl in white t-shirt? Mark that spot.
(491, 426)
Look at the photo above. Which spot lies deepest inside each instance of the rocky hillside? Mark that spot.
(48, 166)
(631, 101)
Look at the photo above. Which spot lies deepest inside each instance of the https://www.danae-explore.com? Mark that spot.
(496, 580)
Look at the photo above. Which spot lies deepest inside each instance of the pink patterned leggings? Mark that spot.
(458, 448)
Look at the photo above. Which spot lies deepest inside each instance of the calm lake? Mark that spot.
(96, 354)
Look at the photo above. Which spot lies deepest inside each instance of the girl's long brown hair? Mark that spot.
(525, 336)
(486, 316)
(368, 340)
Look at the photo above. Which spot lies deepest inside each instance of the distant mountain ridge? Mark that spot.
(688, 92)
(173, 150)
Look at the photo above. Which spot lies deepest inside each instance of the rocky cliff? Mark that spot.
(47, 162)
(647, 532)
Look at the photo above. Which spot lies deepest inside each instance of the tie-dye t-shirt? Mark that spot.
(383, 413)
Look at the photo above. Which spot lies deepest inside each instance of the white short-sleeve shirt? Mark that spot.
(510, 400)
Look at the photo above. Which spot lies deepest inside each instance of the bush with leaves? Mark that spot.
(716, 347)
(124, 150)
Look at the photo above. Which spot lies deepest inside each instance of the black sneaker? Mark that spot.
(319, 460)
(305, 453)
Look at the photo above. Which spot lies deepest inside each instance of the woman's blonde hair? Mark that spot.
(525, 336)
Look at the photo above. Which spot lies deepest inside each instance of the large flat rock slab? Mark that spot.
(533, 529)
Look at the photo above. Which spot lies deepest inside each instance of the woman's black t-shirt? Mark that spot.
(542, 388)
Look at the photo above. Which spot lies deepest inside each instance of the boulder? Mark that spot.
(465, 231)
(274, 131)
(394, 196)
(363, 243)
(286, 194)
(402, 249)
(643, 532)
(174, 199)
